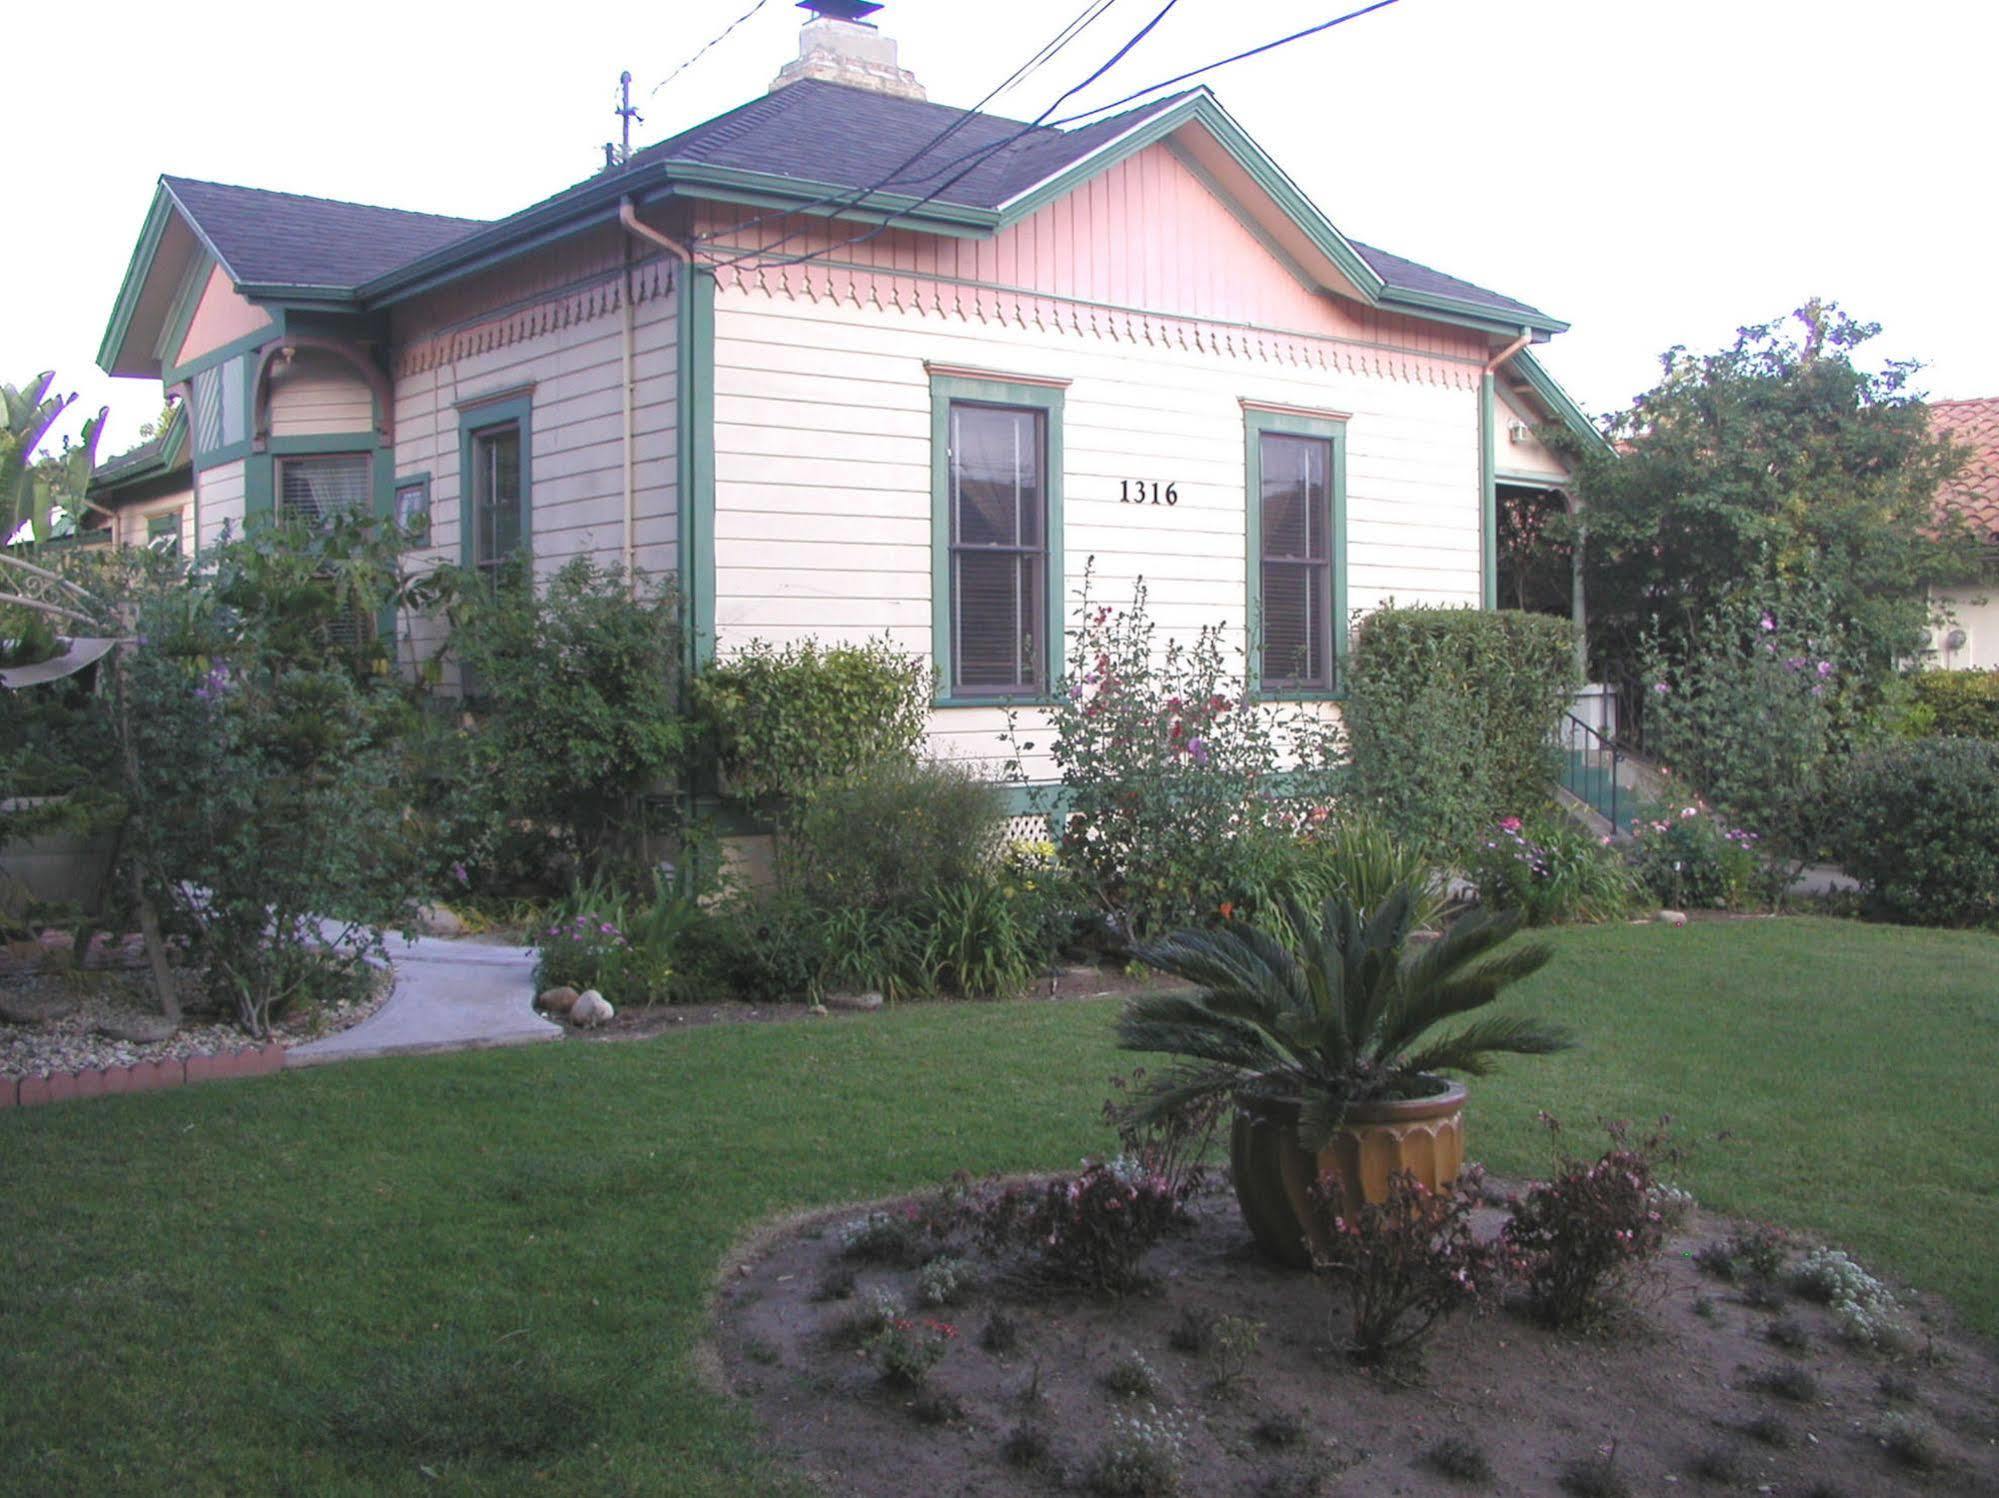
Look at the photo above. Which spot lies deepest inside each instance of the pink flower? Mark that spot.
(1509, 824)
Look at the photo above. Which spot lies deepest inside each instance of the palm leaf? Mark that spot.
(1470, 1050)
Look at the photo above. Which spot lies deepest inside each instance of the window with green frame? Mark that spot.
(997, 537)
(1296, 506)
(495, 484)
(163, 533)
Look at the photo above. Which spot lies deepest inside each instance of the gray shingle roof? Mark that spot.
(811, 131)
(283, 239)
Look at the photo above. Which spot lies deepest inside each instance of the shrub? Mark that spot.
(1748, 711)
(1091, 1230)
(1691, 859)
(1862, 1306)
(1169, 767)
(1911, 1441)
(574, 690)
(1919, 828)
(1337, 852)
(890, 1238)
(1132, 1377)
(620, 945)
(978, 944)
(1144, 1457)
(1405, 1263)
(1579, 1237)
(1551, 871)
(905, 1351)
(945, 1281)
(1234, 1342)
(1460, 1459)
(1958, 704)
(1450, 717)
(786, 721)
(886, 834)
(1792, 1381)
(268, 820)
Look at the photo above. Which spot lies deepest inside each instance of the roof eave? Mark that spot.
(1558, 400)
(1473, 314)
(134, 284)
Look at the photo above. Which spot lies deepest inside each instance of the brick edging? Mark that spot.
(140, 1076)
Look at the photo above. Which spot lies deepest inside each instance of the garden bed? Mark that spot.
(1700, 1384)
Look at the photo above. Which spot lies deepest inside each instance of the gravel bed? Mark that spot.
(71, 1042)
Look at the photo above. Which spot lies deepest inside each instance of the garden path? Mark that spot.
(449, 996)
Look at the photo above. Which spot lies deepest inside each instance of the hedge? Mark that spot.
(1961, 704)
(1451, 714)
(1919, 828)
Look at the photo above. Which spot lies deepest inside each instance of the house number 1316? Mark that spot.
(1139, 492)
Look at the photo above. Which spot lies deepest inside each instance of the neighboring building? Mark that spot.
(1968, 633)
(886, 397)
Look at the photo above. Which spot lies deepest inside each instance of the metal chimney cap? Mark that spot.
(841, 10)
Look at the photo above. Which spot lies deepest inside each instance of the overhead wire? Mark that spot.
(763, 256)
(709, 46)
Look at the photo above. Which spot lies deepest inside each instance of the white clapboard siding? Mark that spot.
(576, 494)
(220, 490)
(317, 393)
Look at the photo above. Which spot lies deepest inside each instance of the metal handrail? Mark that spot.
(1594, 741)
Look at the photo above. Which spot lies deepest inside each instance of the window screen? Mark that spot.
(1297, 560)
(496, 495)
(315, 490)
(999, 547)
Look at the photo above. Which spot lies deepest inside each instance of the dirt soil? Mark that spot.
(1664, 1399)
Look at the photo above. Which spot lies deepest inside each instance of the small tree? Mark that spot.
(35, 492)
(1778, 460)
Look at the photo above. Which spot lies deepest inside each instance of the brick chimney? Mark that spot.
(839, 45)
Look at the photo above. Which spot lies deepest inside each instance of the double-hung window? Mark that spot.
(317, 490)
(496, 495)
(998, 534)
(1296, 525)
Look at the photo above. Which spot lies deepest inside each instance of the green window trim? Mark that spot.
(1046, 398)
(1257, 422)
(166, 526)
(479, 416)
(417, 512)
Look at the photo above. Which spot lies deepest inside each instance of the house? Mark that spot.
(852, 363)
(1967, 634)
(145, 496)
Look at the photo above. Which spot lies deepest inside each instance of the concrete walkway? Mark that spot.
(449, 996)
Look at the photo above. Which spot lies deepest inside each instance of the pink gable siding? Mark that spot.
(1145, 234)
(222, 317)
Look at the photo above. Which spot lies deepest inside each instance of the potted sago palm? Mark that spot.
(1326, 1049)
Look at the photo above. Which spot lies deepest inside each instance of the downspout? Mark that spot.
(1488, 483)
(628, 216)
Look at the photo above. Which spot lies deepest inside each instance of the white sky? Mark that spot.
(1652, 173)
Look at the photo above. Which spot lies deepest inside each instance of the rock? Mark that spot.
(556, 1000)
(858, 1003)
(590, 1010)
(439, 920)
(1673, 917)
(34, 1008)
(137, 1029)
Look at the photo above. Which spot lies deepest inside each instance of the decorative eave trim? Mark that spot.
(1011, 377)
(158, 214)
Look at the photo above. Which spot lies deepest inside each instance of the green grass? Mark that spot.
(336, 1280)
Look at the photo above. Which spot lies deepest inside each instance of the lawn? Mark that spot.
(198, 1282)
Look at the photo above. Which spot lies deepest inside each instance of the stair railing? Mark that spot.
(1583, 743)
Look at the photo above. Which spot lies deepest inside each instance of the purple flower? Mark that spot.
(1769, 624)
(458, 873)
(1825, 668)
(1197, 750)
(1661, 688)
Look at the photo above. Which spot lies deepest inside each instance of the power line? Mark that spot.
(1224, 62)
(980, 157)
(713, 42)
(836, 201)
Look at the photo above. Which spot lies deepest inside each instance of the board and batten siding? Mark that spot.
(823, 475)
(565, 349)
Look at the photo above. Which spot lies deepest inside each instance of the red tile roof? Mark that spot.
(1974, 493)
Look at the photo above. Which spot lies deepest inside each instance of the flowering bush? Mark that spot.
(1864, 1308)
(1578, 1237)
(1550, 870)
(1143, 1458)
(1690, 858)
(1168, 764)
(624, 947)
(1092, 1230)
(905, 1351)
(1406, 1263)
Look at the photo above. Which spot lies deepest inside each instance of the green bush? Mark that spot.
(576, 720)
(786, 721)
(1960, 704)
(1171, 770)
(1918, 826)
(1338, 852)
(622, 944)
(269, 817)
(1752, 712)
(1450, 717)
(1691, 859)
(1550, 870)
(883, 835)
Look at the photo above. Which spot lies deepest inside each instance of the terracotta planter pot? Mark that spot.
(1274, 1175)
